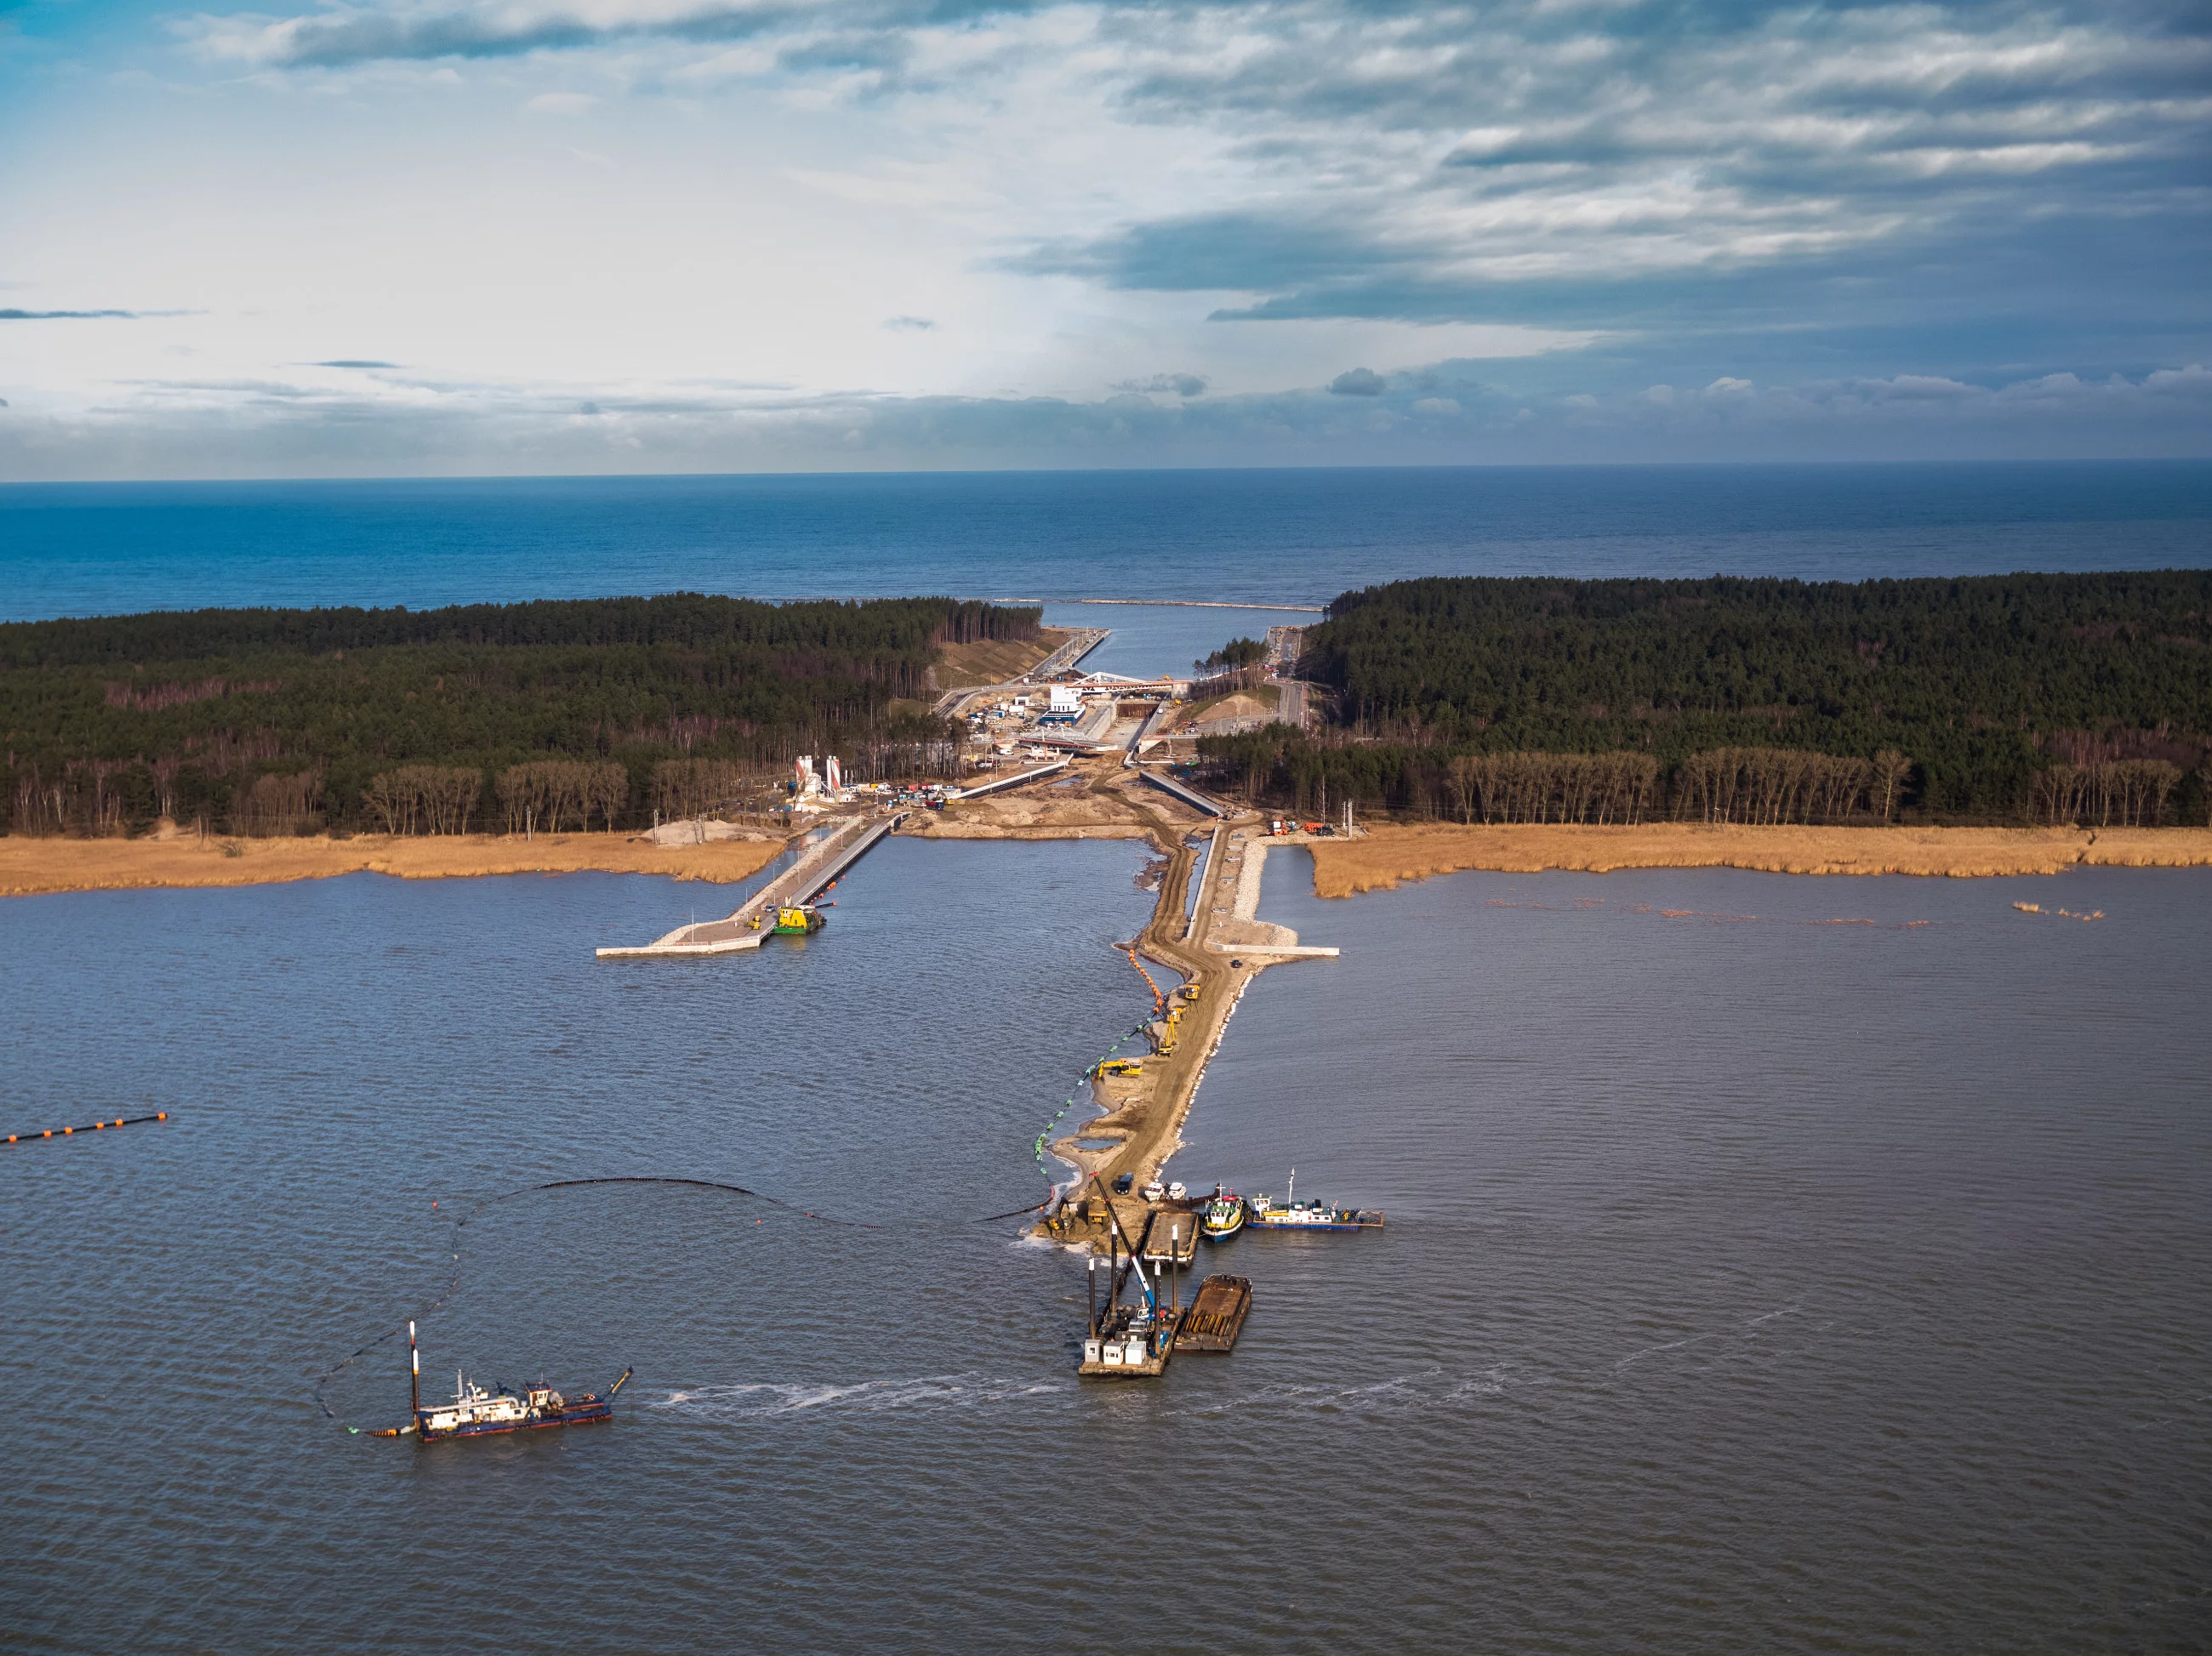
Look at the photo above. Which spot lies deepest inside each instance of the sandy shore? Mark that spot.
(1387, 855)
(29, 866)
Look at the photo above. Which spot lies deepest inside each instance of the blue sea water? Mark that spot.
(1251, 537)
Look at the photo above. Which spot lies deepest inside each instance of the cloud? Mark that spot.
(352, 362)
(561, 103)
(1722, 221)
(64, 316)
(270, 428)
(1165, 384)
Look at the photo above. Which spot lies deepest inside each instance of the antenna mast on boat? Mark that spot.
(414, 1374)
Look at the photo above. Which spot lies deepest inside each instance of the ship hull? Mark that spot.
(583, 1414)
(1263, 1224)
(1343, 1220)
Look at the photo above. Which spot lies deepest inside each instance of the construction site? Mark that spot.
(1053, 753)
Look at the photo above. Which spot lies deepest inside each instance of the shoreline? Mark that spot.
(36, 867)
(1389, 855)
(1384, 857)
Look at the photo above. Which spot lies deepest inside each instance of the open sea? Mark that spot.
(1772, 1265)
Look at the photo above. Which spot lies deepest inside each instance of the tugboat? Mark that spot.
(475, 1412)
(1294, 1215)
(797, 920)
(1224, 1216)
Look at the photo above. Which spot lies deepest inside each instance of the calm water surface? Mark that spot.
(1753, 1282)
(1260, 537)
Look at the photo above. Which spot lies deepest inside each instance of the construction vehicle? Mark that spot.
(1189, 991)
(1119, 1066)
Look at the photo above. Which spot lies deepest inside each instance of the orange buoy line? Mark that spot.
(97, 1126)
(1158, 998)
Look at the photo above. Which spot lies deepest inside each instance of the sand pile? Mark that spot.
(1240, 706)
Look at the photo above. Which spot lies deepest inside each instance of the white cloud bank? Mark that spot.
(385, 423)
(820, 233)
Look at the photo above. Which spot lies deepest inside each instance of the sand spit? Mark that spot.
(29, 867)
(1387, 855)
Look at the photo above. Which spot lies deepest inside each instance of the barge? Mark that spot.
(1216, 1317)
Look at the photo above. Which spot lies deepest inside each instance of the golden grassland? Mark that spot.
(1385, 857)
(994, 661)
(31, 866)
(1389, 854)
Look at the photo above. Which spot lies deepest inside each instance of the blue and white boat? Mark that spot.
(1263, 1213)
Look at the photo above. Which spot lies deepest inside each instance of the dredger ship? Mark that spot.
(475, 1412)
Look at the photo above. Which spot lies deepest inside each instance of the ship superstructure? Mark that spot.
(475, 1412)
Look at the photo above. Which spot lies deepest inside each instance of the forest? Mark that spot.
(471, 719)
(2013, 698)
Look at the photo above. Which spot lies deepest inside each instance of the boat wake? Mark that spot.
(767, 1400)
(1402, 1394)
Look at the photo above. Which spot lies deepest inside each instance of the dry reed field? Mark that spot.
(1390, 854)
(30, 866)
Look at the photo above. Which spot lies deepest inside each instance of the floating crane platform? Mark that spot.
(1127, 1354)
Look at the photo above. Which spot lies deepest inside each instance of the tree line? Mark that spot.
(1313, 775)
(536, 716)
(1994, 686)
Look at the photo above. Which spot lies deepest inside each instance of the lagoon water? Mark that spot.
(1772, 1265)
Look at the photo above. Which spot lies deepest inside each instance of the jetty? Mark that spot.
(818, 866)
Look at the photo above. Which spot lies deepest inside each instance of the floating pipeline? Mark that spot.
(97, 1126)
(1160, 1004)
(1044, 1138)
(453, 1283)
(321, 1381)
(1159, 996)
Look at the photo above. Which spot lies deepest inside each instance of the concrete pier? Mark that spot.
(751, 924)
(1000, 785)
(1183, 790)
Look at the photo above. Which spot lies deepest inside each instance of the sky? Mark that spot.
(447, 237)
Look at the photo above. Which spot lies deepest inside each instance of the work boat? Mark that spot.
(475, 1412)
(1223, 1217)
(1291, 1213)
